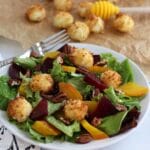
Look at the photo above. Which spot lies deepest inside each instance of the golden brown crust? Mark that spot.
(75, 109)
(41, 82)
(36, 13)
(123, 23)
(19, 109)
(78, 31)
(63, 20)
(111, 78)
(96, 24)
(84, 9)
(82, 57)
(63, 5)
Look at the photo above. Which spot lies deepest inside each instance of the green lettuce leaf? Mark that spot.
(123, 68)
(53, 107)
(129, 102)
(111, 61)
(81, 86)
(27, 127)
(35, 135)
(126, 72)
(112, 124)
(28, 62)
(6, 92)
(57, 73)
(66, 129)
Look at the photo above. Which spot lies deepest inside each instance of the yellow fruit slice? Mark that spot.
(69, 68)
(91, 105)
(70, 91)
(97, 69)
(95, 133)
(45, 128)
(133, 89)
(51, 55)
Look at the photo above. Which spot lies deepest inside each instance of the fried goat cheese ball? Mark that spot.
(36, 13)
(64, 5)
(111, 78)
(62, 20)
(41, 82)
(84, 9)
(82, 57)
(96, 24)
(123, 23)
(79, 31)
(19, 109)
(75, 109)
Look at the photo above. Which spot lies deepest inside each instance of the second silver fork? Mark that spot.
(53, 42)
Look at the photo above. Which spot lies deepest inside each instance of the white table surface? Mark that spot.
(138, 140)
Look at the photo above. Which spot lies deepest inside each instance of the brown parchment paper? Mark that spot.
(135, 45)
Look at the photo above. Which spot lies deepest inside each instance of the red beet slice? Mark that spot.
(94, 81)
(40, 111)
(104, 108)
(47, 64)
(14, 71)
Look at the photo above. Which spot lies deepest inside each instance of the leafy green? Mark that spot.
(23, 125)
(130, 102)
(123, 68)
(72, 139)
(52, 107)
(126, 71)
(6, 92)
(112, 124)
(32, 97)
(35, 99)
(67, 61)
(57, 73)
(35, 135)
(28, 62)
(111, 61)
(68, 130)
(98, 97)
(27, 127)
(81, 86)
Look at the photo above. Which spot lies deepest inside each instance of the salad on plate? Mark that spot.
(71, 95)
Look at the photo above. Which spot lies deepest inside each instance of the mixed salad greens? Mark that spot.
(71, 95)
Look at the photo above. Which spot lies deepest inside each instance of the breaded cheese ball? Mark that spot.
(75, 109)
(111, 78)
(84, 9)
(62, 20)
(19, 109)
(78, 31)
(123, 23)
(96, 24)
(82, 57)
(64, 5)
(36, 13)
(41, 82)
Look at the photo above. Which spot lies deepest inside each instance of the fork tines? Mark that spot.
(55, 41)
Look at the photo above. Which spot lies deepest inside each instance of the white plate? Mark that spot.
(139, 78)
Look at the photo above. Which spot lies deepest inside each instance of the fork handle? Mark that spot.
(6, 62)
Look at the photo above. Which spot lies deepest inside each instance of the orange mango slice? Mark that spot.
(133, 89)
(45, 128)
(69, 68)
(70, 91)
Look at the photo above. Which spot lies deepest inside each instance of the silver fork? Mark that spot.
(53, 42)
